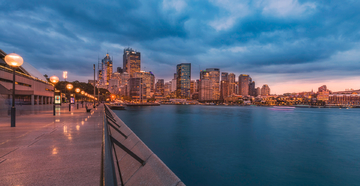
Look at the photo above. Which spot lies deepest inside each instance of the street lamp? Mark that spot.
(77, 90)
(54, 80)
(82, 98)
(69, 87)
(13, 60)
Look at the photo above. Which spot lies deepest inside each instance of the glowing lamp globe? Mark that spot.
(86, 94)
(14, 60)
(69, 86)
(54, 79)
(82, 92)
(77, 90)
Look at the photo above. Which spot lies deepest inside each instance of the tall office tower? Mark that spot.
(123, 85)
(224, 92)
(146, 81)
(258, 91)
(159, 87)
(192, 87)
(152, 86)
(105, 70)
(175, 75)
(252, 90)
(183, 78)
(167, 88)
(244, 84)
(173, 85)
(265, 90)
(131, 61)
(197, 89)
(209, 84)
(136, 90)
(232, 84)
(224, 76)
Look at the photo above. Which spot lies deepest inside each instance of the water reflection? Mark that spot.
(54, 151)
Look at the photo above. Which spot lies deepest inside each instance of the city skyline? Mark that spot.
(291, 45)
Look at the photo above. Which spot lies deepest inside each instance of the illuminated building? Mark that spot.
(159, 87)
(147, 81)
(136, 90)
(192, 87)
(224, 76)
(209, 84)
(252, 90)
(265, 90)
(323, 93)
(232, 84)
(244, 84)
(183, 78)
(167, 88)
(258, 91)
(224, 90)
(131, 61)
(105, 70)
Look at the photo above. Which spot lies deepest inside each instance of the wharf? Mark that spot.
(52, 150)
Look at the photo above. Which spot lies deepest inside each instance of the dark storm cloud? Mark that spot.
(264, 36)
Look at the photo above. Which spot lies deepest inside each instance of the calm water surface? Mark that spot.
(224, 145)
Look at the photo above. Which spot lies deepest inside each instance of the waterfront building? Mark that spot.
(265, 90)
(131, 61)
(209, 84)
(105, 70)
(147, 81)
(244, 84)
(252, 90)
(232, 83)
(136, 90)
(197, 86)
(224, 89)
(224, 76)
(323, 93)
(192, 87)
(31, 87)
(344, 99)
(173, 85)
(183, 78)
(167, 88)
(258, 91)
(159, 87)
(152, 82)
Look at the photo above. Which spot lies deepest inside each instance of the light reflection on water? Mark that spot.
(224, 145)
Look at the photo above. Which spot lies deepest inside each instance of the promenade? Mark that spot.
(52, 150)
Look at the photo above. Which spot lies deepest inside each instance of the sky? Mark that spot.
(291, 45)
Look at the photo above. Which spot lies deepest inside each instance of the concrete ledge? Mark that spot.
(154, 172)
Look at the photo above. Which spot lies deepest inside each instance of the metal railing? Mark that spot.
(108, 173)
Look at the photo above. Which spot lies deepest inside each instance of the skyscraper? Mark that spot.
(224, 76)
(105, 70)
(209, 84)
(244, 84)
(131, 61)
(252, 90)
(265, 90)
(183, 78)
(232, 83)
(159, 87)
(146, 81)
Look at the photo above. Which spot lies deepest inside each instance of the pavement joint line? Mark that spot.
(52, 131)
(9, 152)
(2, 160)
(33, 142)
(40, 136)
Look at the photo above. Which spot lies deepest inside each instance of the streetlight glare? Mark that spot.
(82, 92)
(77, 90)
(54, 79)
(14, 60)
(69, 86)
(65, 74)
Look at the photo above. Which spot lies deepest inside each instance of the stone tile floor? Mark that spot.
(52, 150)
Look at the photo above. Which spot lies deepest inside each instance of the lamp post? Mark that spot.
(82, 98)
(13, 60)
(94, 85)
(77, 90)
(69, 87)
(54, 80)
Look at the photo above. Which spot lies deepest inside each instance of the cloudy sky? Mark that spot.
(291, 45)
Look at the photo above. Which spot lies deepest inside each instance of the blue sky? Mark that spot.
(291, 45)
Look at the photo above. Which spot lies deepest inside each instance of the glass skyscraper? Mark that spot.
(183, 78)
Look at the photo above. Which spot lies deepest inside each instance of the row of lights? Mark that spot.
(55, 79)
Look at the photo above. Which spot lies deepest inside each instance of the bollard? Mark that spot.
(69, 107)
(54, 109)
(78, 106)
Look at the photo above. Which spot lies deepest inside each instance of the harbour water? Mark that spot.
(225, 145)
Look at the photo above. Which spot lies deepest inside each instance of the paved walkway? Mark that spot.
(52, 150)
